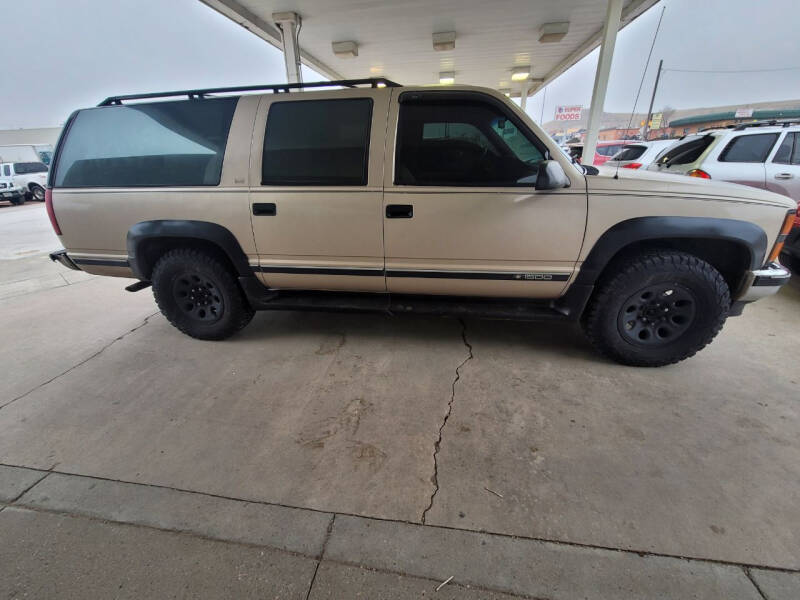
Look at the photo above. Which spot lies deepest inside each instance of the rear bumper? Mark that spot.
(62, 257)
(765, 282)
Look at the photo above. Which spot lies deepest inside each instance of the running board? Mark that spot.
(566, 308)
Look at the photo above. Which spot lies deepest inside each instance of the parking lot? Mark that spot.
(326, 455)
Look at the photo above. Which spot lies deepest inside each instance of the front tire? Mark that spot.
(18, 201)
(199, 295)
(657, 309)
(38, 193)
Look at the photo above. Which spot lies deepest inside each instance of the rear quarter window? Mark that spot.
(687, 151)
(749, 148)
(629, 153)
(156, 144)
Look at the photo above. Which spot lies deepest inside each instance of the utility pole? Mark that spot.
(652, 100)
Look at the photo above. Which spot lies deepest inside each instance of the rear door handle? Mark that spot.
(399, 211)
(784, 176)
(264, 209)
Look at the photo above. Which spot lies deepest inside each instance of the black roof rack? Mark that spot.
(275, 88)
(767, 123)
(763, 123)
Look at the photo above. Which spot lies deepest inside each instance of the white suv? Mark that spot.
(30, 176)
(765, 155)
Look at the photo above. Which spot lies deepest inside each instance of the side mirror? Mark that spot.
(551, 176)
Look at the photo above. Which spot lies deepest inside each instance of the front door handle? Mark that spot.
(264, 209)
(784, 176)
(399, 211)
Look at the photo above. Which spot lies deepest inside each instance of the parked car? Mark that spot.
(403, 200)
(9, 192)
(638, 154)
(762, 154)
(30, 176)
(605, 150)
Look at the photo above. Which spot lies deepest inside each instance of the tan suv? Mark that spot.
(405, 200)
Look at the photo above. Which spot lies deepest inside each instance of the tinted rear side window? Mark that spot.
(159, 144)
(29, 167)
(317, 142)
(749, 148)
(687, 151)
(629, 153)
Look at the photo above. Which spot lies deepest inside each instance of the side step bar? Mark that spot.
(568, 307)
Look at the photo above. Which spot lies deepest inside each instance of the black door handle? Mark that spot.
(399, 211)
(264, 209)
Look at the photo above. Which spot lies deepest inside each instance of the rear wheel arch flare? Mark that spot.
(148, 240)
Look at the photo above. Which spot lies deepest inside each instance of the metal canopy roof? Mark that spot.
(395, 37)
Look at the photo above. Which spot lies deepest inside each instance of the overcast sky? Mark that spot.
(85, 50)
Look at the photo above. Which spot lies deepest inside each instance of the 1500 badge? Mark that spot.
(535, 276)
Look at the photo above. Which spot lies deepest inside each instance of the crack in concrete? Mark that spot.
(321, 555)
(753, 581)
(438, 443)
(83, 362)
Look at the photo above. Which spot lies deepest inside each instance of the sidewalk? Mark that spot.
(96, 538)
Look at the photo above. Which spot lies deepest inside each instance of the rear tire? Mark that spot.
(199, 295)
(657, 309)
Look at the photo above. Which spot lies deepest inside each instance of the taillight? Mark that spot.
(797, 217)
(699, 173)
(779, 241)
(48, 203)
(632, 166)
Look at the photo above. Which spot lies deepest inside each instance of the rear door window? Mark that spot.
(749, 148)
(629, 153)
(317, 142)
(177, 143)
(789, 151)
(686, 151)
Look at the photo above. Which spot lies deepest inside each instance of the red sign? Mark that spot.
(569, 113)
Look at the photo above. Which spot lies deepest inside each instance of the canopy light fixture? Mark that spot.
(447, 77)
(550, 33)
(345, 49)
(445, 40)
(520, 73)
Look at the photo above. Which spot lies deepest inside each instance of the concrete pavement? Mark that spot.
(539, 469)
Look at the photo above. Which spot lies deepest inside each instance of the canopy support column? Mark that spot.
(609, 40)
(288, 23)
(523, 94)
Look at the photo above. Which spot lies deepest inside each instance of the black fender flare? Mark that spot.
(643, 229)
(200, 230)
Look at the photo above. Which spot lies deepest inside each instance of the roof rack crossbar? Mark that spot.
(275, 88)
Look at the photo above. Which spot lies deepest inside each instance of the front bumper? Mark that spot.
(61, 257)
(765, 282)
(11, 193)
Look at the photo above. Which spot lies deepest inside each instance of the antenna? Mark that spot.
(644, 73)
